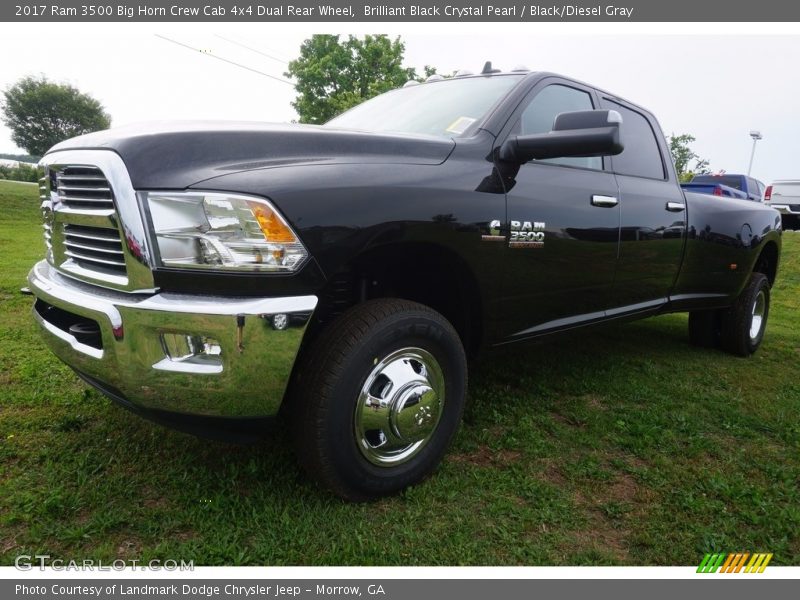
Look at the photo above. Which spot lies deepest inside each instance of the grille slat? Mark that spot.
(92, 233)
(74, 245)
(76, 188)
(81, 178)
(84, 187)
(100, 202)
(104, 262)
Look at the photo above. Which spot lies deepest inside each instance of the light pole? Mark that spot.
(756, 135)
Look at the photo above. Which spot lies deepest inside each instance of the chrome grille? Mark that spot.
(92, 224)
(95, 248)
(83, 233)
(47, 216)
(83, 186)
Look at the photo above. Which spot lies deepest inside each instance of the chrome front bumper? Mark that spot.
(254, 340)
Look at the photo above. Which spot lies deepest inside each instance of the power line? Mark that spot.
(225, 60)
(280, 60)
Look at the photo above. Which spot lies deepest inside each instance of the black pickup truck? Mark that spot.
(211, 275)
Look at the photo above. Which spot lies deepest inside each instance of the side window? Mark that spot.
(641, 156)
(539, 115)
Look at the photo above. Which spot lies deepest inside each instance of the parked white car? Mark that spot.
(784, 196)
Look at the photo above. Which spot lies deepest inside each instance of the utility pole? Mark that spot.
(756, 135)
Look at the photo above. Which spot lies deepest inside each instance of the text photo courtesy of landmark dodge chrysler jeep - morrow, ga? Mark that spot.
(213, 276)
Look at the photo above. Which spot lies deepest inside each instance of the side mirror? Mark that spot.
(581, 133)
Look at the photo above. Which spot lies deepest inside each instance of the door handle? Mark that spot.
(604, 201)
(675, 206)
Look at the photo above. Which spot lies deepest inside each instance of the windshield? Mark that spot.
(444, 108)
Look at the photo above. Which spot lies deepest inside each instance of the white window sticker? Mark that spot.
(460, 125)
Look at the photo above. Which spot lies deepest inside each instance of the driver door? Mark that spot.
(564, 279)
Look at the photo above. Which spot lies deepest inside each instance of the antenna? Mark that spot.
(488, 70)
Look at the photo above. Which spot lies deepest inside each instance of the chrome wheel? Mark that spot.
(399, 406)
(280, 321)
(757, 320)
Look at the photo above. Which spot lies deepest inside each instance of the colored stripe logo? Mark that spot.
(735, 562)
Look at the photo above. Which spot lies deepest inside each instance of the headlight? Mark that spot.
(203, 230)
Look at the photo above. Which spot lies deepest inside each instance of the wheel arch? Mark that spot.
(432, 274)
(767, 261)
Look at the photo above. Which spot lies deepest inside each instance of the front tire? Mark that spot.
(378, 398)
(743, 324)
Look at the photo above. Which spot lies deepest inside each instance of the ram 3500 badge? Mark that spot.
(209, 275)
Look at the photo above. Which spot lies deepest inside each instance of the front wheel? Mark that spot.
(378, 398)
(744, 323)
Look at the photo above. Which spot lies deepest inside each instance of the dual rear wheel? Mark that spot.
(738, 329)
(380, 394)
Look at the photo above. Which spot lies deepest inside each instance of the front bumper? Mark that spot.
(251, 342)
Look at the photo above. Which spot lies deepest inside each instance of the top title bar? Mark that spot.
(394, 11)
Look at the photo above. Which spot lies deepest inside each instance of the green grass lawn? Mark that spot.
(622, 446)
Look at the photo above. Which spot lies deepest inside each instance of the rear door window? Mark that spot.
(641, 156)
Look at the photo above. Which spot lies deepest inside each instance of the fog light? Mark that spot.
(190, 353)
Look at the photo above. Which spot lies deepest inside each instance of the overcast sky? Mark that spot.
(717, 88)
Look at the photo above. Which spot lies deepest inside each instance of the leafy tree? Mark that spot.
(683, 155)
(21, 172)
(41, 113)
(333, 75)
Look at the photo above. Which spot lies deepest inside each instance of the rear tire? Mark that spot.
(790, 222)
(378, 398)
(704, 328)
(744, 323)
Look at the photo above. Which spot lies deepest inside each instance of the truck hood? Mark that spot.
(176, 155)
